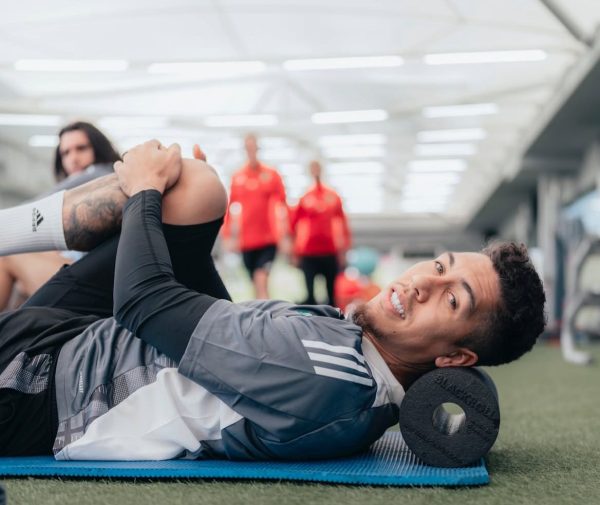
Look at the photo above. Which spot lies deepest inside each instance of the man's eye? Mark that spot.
(439, 267)
(452, 300)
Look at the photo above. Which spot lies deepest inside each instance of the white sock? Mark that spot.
(33, 227)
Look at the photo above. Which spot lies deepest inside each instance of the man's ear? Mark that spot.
(460, 357)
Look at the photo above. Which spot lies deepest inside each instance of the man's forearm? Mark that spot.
(92, 212)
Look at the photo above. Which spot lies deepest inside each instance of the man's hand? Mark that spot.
(149, 166)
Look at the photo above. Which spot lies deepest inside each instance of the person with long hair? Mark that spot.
(83, 153)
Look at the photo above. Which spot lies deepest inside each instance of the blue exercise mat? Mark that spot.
(387, 463)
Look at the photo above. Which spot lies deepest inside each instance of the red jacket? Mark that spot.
(258, 192)
(319, 223)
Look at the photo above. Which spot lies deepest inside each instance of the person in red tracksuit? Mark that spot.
(256, 217)
(321, 234)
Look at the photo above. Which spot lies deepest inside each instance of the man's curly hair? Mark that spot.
(514, 326)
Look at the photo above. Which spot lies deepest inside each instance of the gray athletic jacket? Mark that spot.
(259, 380)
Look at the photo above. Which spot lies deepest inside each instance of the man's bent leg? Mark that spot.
(148, 299)
(89, 214)
(87, 286)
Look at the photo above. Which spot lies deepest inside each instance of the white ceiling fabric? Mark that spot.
(375, 172)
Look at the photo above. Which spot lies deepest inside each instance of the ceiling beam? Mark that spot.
(569, 25)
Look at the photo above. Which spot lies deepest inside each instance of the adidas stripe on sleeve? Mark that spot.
(294, 375)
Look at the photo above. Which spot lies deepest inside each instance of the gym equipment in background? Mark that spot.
(578, 298)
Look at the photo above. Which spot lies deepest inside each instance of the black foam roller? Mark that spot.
(451, 440)
(2, 496)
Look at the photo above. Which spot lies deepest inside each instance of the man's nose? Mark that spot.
(424, 285)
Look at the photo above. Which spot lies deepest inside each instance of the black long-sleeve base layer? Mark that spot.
(148, 299)
(81, 293)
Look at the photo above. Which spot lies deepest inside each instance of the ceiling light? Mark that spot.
(362, 206)
(354, 152)
(71, 65)
(279, 153)
(297, 183)
(349, 116)
(241, 120)
(454, 135)
(485, 57)
(43, 141)
(471, 109)
(356, 191)
(128, 122)
(343, 63)
(29, 120)
(230, 143)
(426, 189)
(416, 207)
(353, 168)
(448, 165)
(358, 184)
(426, 199)
(208, 69)
(275, 142)
(291, 169)
(352, 140)
(437, 178)
(444, 150)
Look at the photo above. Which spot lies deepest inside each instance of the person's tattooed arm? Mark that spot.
(93, 212)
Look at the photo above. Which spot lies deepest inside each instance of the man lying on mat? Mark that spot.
(137, 352)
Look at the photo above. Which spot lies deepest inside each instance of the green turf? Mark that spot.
(548, 452)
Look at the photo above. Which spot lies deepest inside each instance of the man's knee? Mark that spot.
(198, 197)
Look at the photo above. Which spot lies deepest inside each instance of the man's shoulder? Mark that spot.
(330, 193)
(331, 320)
(281, 307)
(269, 173)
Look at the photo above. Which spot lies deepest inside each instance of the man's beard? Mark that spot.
(362, 317)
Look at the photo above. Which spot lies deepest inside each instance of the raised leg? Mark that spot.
(191, 210)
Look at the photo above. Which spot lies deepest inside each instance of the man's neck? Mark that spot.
(403, 372)
(254, 164)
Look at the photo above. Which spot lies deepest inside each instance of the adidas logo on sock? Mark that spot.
(36, 219)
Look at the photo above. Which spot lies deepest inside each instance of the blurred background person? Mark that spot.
(82, 154)
(321, 235)
(257, 215)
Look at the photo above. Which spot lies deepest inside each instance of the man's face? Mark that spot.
(315, 169)
(424, 313)
(251, 147)
(76, 151)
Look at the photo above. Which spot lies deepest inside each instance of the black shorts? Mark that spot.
(61, 309)
(30, 340)
(260, 258)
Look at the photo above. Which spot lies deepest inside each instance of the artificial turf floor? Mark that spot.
(548, 452)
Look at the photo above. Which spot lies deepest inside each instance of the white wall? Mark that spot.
(22, 174)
